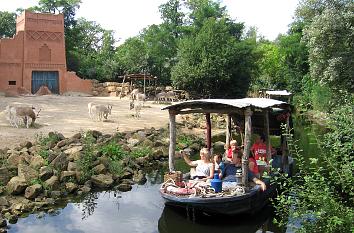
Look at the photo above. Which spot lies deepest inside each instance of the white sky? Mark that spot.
(128, 17)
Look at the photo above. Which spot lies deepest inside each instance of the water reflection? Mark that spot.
(140, 210)
(178, 220)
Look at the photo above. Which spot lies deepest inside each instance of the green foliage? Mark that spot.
(321, 194)
(7, 24)
(141, 152)
(44, 141)
(329, 37)
(184, 141)
(85, 163)
(39, 181)
(113, 150)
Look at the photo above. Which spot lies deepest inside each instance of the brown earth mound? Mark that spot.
(43, 90)
(23, 91)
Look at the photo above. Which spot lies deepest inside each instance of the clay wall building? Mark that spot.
(35, 56)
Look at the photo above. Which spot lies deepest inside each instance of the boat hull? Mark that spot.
(249, 203)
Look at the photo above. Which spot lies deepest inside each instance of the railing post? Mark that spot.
(172, 148)
(246, 152)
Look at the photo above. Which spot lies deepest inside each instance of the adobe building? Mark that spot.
(35, 56)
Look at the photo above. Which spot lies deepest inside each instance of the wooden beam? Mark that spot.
(266, 134)
(172, 148)
(208, 131)
(221, 111)
(246, 151)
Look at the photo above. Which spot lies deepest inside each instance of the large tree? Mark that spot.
(7, 24)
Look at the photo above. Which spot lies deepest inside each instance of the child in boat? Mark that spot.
(236, 167)
(204, 168)
(233, 149)
(219, 164)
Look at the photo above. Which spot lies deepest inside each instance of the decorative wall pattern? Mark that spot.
(44, 53)
(44, 21)
(9, 64)
(44, 66)
(45, 36)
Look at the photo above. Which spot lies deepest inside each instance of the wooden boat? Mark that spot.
(259, 115)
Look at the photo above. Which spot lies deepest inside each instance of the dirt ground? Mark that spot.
(69, 115)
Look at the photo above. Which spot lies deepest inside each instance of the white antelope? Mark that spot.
(137, 106)
(18, 114)
(99, 111)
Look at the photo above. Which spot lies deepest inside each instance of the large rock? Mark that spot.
(72, 166)
(67, 175)
(4, 175)
(45, 173)
(102, 180)
(52, 183)
(16, 185)
(99, 169)
(124, 187)
(71, 187)
(60, 162)
(14, 159)
(73, 150)
(27, 172)
(37, 162)
(33, 191)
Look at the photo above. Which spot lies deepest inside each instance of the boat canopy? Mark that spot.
(225, 106)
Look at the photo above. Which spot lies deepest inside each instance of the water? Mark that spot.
(142, 209)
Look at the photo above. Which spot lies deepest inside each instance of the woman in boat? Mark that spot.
(234, 167)
(204, 168)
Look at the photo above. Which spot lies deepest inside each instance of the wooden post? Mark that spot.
(172, 148)
(120, 94)
(208, 131)
(266, 134)
(246, 151)
(228, 129)
(144, 82)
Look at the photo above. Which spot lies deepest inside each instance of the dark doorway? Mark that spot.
(45, 78)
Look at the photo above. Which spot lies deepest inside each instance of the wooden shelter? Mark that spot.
(254, 113)
(133, 78)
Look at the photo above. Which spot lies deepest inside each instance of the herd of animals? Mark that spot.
(21, 115)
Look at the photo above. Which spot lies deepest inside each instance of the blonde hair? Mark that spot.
(233, 142)
(206, 152)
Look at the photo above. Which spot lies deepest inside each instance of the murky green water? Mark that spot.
(142, 209)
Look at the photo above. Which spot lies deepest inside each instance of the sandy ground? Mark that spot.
(69, 115)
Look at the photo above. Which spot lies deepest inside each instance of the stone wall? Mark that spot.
(109, 88)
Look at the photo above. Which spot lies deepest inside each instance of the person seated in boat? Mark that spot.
(259, 149)
(219, 164)
(204, 169)
(252, 164)
(235, 167)
(232, 149)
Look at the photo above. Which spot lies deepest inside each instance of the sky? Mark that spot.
(128, 17)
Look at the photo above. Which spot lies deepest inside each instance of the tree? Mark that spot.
(212, 63)
(7, 24)
(329, 37)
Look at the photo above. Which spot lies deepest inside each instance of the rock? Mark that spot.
(13, 160)
(26, 144)
(132, 142)
(102, 180)
(4, 175)
(55, 194)
(60, 162)
(61, 143)
(75, 156)
(51, 156)
(27, 172)
(3, 202)
(96, 134)
(67, 175)
(45, 173)
(139, 177)
(3, 222)
(73, 150)
(158, 143)
(85, 189)
(157, 153)
(33, 191)
(36, 162)
(71, 187)
(72, 166)
(52, 183)
(76, 136)
(124, 187)
(16, 185)
(99, 169)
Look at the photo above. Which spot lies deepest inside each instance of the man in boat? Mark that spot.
(235, 167)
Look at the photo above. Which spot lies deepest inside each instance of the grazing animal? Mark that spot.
(171, 95)
(160, 97)
(98, 111)
(18, 114)
(133, 94)
(137, 108)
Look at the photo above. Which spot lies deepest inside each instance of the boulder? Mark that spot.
(60, 162)
(45, 173)
(16, 185)
(67, 175)
(102, 180)
(99, 169)
(33, 191)
(26, 172)
(73, 150)
(5, 175)
(71, 187)
(124, 187)
(72, 166)
(36, 162)
(52, 183)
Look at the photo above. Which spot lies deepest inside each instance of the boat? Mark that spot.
(258, 115)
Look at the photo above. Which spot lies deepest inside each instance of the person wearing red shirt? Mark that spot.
(259, 149)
